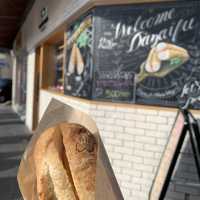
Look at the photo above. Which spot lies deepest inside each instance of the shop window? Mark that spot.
(52, 61)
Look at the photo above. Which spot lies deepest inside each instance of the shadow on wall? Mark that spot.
(185, 184)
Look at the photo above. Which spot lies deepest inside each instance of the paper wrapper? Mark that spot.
(57, 112)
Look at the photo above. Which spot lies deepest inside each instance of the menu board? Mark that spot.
(78, 72)
(147, 54)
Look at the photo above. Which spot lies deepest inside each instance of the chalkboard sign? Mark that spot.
(155, 46)
(78, 73)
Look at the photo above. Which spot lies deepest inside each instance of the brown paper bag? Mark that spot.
(107, 187)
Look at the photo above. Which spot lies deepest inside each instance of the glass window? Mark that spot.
(52, 61)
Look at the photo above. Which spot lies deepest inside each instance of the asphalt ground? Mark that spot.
(14, 137)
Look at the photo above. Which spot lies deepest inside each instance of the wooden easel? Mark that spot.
(162, 179)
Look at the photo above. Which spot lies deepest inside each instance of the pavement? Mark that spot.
(14, 137)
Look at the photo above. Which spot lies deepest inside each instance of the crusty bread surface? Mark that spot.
(81, 151)
(53, 182)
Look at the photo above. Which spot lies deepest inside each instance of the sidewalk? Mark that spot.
(13, 139)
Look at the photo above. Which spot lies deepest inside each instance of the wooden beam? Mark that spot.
(47, 66)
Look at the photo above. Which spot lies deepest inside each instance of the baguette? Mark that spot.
(44, 185)
(81, 151)
(53, 179)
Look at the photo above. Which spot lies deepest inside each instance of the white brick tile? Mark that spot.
(153, 148)
(139, 195)
(147, 112)
(164, 128)
(156, 134)
(108, 134)
(115, 156)
(113, 141)
(123, 150)
(145, 139)
(126, 110)
(134, 159)
(135, 131)
(145, 154)
(123, 164)
(136, 187)
(147, 175)
(125, 136)
(135, 117)
(143, 182)
(167, 113)
(142, 167)
(123, 177)
(147, 126)
(113, 128)
(114, 115)
(157, 119)
(105, 120)
(151, 162)
(132, 173)
(138, 146)
(131, 186)
(161, 142)
(125, 123)
(129, 144)
(158, 155)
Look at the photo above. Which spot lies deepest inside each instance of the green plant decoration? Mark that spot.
(83, 39)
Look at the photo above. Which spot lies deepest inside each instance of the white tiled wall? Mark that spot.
(135, 138)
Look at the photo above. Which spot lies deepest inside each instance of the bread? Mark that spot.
(153, 64)
(168, 51)
(53, 181)
(81, 151)
(65, 163)
(44, 185)
(72, 60)
(80, 63)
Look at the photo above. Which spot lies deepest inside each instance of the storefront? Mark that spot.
(129, 67)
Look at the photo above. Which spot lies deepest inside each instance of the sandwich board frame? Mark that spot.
(182, 125)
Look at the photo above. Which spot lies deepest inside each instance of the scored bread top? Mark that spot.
(81, 150)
